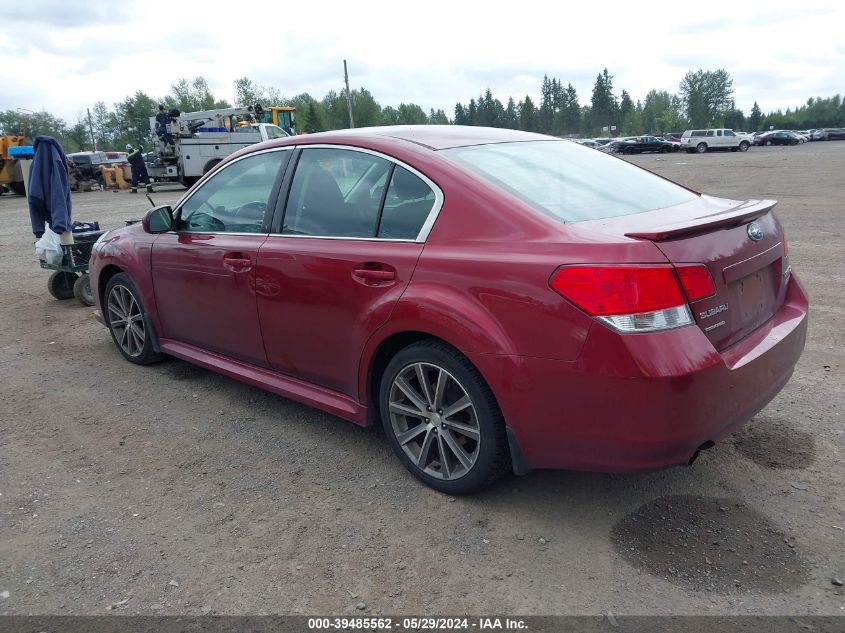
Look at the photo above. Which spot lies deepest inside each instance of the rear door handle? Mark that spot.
(374, 274)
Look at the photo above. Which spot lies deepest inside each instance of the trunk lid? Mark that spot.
(750, 273)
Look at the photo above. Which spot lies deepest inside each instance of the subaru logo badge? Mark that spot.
(755, 232)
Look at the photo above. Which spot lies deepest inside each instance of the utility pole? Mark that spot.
(348, 95)
(91, 130)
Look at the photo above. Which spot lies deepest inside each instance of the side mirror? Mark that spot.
(158, 220)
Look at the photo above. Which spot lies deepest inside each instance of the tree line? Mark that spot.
(704, 99)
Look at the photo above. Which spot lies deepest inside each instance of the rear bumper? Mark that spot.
(643, 402)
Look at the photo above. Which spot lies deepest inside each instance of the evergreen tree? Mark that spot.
(756, 118)
(510, 119)
(569, 116)
(313, 119)
(546, 114)
(461, 117)
(527, 115)
(604, 107)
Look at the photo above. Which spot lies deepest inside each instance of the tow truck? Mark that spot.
(193, 143)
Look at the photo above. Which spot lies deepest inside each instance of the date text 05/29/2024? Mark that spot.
(417, 623)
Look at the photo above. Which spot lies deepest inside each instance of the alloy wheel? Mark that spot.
(434, 421)
(126, 320)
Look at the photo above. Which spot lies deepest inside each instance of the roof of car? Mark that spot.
(437, 136)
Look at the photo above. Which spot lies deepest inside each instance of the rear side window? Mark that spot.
(335, 193)
(407, 205)
(569, 182)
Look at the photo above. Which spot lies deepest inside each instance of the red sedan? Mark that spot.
(497, 300)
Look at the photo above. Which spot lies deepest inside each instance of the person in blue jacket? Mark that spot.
(139, 168)
(48, 189)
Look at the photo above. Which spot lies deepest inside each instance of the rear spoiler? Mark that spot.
(745, 212)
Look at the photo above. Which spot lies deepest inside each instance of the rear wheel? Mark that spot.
(61, 284)
(130, 328)
(211, 165)
(442, 420)
(701, 148)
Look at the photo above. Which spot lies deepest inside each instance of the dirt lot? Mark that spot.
(169, 489)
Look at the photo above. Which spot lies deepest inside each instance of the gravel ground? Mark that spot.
(169, 489)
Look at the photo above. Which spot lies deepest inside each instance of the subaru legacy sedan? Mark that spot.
(497, 300)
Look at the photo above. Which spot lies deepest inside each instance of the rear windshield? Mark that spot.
(568, 181)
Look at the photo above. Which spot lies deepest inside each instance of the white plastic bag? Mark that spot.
(48, 248)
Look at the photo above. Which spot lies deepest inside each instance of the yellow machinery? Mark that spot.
(10, 171)
(284, 117)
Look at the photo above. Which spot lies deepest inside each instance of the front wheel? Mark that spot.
(127, 321)
(442, 420)
(743, 147)
(701, 148)
(768, 143)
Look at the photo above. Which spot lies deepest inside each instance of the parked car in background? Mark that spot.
(829, 134)
(781, 137)
(89, 163)
(633, 322)
(673, 136)
(586, 142)
(718, 138)
(117, 158)
(641, 144)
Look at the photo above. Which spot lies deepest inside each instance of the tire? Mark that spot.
(18, 188)
(476, 430)
(701, 148)
(134, 340)
(664, 150)
(61, 284)
(188, 182)
(743, 147)
(82, 290)
(211, 165)
(768, 143)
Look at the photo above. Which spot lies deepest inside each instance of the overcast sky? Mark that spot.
(64, 55)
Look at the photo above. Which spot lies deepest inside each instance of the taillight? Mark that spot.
(628, 298)
(696, 280)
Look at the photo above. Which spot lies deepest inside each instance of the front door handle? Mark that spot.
(237, 262)
(374, 274)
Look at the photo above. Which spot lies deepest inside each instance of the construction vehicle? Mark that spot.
(192, 143)
(11, 174)
(283, 116)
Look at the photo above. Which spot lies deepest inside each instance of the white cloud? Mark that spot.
(64, 57)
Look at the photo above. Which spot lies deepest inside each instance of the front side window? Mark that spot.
(567, 181)
(336, 193)
(729, 133)
(234, 199)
